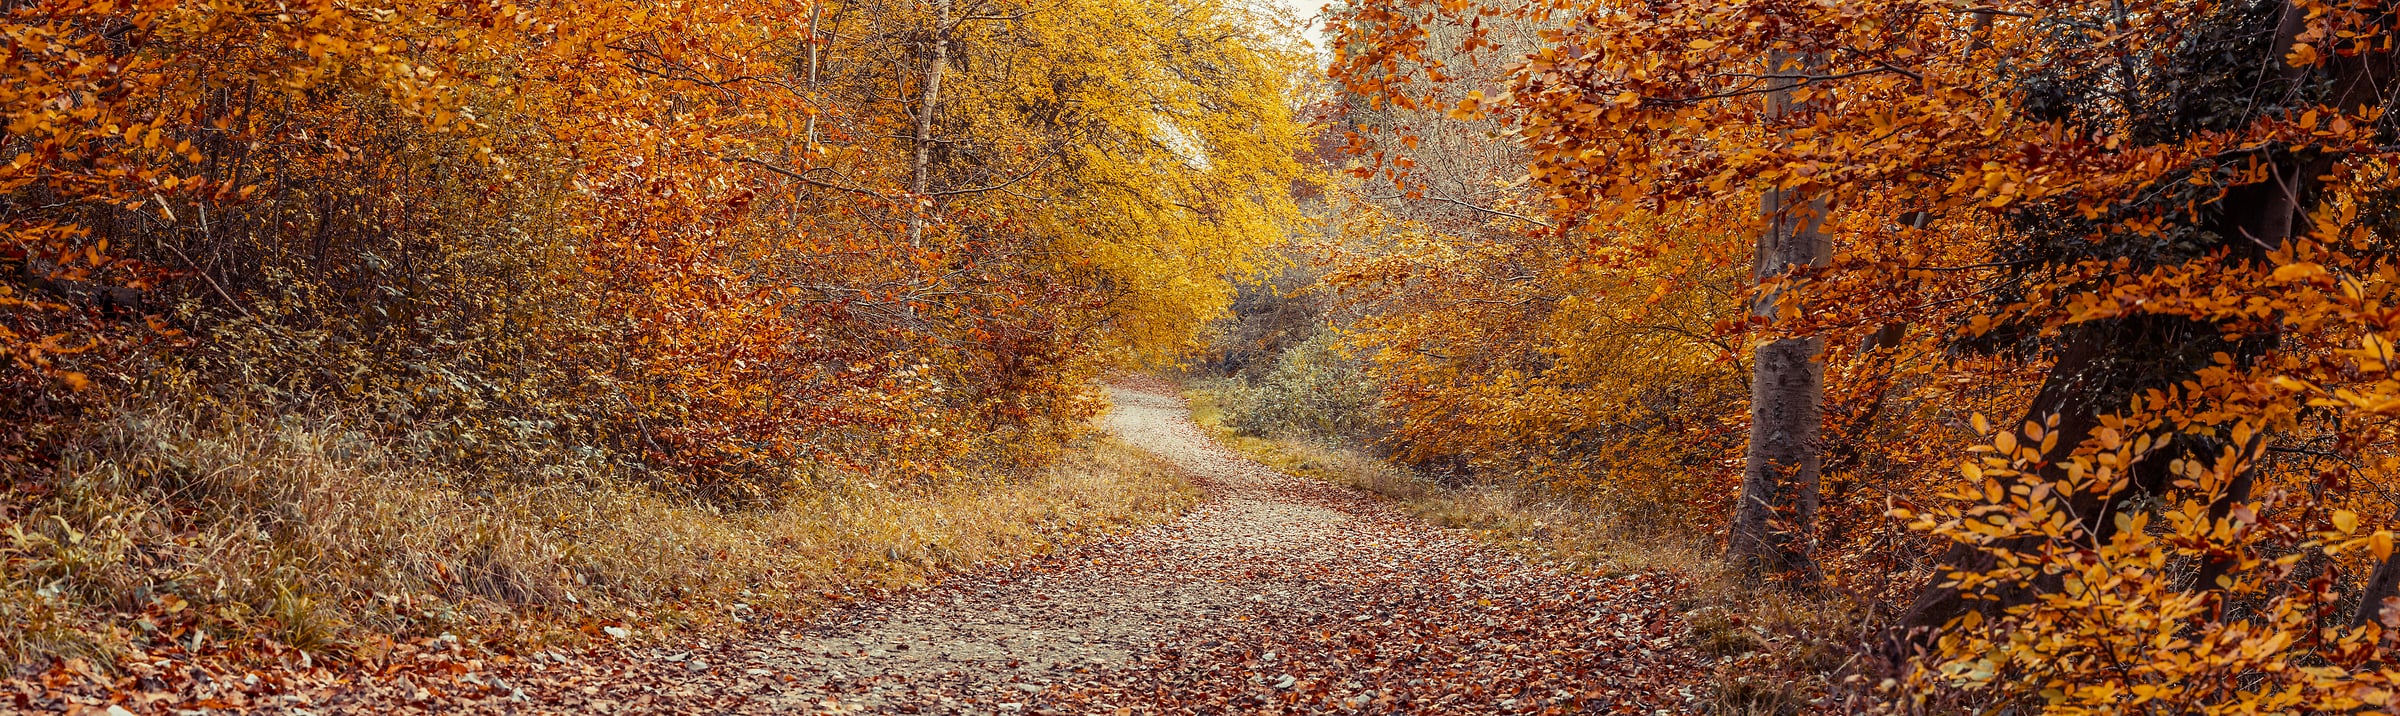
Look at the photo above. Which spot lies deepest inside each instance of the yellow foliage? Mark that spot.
(1596, 369)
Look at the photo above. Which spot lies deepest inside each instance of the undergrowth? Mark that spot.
(1779, 651)
(166, 528)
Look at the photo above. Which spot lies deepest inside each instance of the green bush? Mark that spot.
(1313, 391)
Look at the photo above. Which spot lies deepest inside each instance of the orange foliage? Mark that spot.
(1597, 369)
(2158, 231)
(670, 238)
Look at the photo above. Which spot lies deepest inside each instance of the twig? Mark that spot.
(799, 177)
(978, 190)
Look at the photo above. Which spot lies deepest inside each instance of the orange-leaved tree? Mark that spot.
(2153, 237)
(700, 243)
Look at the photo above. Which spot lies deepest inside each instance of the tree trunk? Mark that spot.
(2100, 367)
(1787, 385)
(920, 166)
(2383, 584)
(815, 13)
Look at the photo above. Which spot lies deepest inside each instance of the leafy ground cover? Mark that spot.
(1278, 594)
(274, 590)
(1767, 651)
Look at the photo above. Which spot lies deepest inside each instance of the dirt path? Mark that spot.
(1277, 595)
(999, 639)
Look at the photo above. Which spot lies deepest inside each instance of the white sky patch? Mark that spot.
(1182, 144)
(1312, 12)
(1309, 14)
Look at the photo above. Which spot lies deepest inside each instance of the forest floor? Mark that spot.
(1276, 595)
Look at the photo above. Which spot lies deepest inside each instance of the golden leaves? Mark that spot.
(2302, 55)
(1972, 210)
(755, 329)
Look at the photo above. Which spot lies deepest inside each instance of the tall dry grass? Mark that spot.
(166, 523)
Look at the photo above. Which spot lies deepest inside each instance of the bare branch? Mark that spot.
(1470, 205)
(981, 189)
(804, 179)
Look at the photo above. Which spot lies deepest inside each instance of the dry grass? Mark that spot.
(1778, 650)
(1534, 521)
(166, 526)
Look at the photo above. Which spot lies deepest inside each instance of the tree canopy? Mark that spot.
(2105, 317)
(729, 244)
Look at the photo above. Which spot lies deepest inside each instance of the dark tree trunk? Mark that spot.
(2383, 584)
(2100, 367)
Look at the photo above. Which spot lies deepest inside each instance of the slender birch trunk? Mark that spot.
(920, 166)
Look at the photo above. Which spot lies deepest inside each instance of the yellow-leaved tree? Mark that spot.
(732, 253)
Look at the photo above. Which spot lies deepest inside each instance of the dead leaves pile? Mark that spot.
(1417, 621)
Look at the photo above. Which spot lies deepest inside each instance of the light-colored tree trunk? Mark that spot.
(920, 166)
(1787, 384)
(815, 12)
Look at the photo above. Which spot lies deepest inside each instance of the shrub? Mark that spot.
(1313, 391)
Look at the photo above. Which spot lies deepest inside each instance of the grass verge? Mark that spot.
(1778, 651)
(166, 531)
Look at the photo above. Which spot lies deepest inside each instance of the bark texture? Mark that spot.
(1780, 473)
(920, 180)
(2383, 584)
